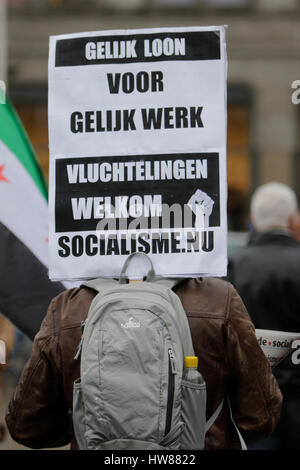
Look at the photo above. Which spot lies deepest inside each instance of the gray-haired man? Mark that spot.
(267, 276)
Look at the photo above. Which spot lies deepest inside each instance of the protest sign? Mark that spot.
(277, 345)
(137, 140)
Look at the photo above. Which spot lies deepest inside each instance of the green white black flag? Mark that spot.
(25, 290)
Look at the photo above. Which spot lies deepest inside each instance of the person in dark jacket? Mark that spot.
(230, 360)
(266, 274)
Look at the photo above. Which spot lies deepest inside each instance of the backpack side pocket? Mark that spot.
(78, 411)
(193, 413)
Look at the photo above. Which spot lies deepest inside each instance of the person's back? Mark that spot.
(267, 276)
(230, 360)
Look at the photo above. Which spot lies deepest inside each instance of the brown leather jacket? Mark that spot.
(230, 360)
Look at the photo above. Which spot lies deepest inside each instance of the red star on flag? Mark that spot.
(2, 177)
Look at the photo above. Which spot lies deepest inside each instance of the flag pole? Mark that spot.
(3, 41)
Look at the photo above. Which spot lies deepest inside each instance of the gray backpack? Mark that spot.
(131, 393)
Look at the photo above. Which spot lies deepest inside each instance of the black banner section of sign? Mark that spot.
(91, 189)
(120, 49)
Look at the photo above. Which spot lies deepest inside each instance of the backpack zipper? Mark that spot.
(171, 390)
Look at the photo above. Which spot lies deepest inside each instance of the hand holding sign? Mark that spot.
(202, 205)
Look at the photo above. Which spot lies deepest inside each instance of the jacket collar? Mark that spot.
(276, 237)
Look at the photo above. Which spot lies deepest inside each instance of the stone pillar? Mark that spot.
(276, 4)
(3, 41)
(275, 124)
(123, 5)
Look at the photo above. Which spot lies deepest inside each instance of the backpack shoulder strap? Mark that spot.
(242, 442)
(214, 416)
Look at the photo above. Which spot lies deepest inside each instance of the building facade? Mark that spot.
(263, 46)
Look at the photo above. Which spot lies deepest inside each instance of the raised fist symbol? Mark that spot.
(202, 205)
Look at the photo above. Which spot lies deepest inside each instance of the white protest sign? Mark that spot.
(137, 140)
(277, 345)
